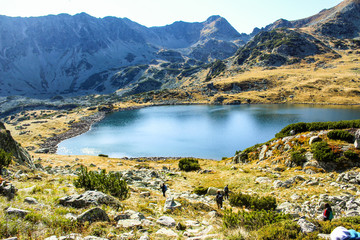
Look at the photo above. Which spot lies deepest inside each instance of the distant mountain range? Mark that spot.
(81, 55)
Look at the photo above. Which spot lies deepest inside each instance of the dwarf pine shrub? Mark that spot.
(281, 230)
(189, 164)
(253, 202)
(252, 220)
(351, 155)
(200, 190)
(322, 152)
(5, 159)
(316, 126)
(298, 157)
(341, 135)
(110, 183)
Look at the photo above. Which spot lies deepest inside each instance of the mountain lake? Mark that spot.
(201, 131)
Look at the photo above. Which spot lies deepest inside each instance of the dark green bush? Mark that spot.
(252, 220)
(341, 135)
(252, 201)
(298, 157)
(5, 159)
(189, 164)
(351, 155)
(279, 231)
(322, 152)
(200, 190)
(110, 183)
(315, 126)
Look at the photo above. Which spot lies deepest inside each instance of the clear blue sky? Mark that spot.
(244, 15)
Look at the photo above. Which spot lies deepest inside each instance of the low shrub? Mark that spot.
(252, 201)
(189, 164)
(5, 159)
(200, 190)
(298, 157)
(110, 183)
(316, 126)
(279, 231)
(341, 135)
(351, 155)
(322, 152)
(252, 220)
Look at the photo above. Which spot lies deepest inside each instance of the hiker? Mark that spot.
(219, 199)
(328, 213)
(163, 189)
(226, 192)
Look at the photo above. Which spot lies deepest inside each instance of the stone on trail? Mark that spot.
(306, 226)
(31, 200)
(167, 232)
(94, 215)
(129, 223)
(166, 221)
(15, 211)
(170, 204)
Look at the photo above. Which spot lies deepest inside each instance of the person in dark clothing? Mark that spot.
(219, 199)
(328, 213)
(163, 189)
(226, 192)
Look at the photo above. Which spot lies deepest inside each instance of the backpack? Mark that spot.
(219, 198)
(331, 215)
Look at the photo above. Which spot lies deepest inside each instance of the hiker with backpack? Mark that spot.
(226, 192)
(163, 189)
(328, 213)
(219, 199)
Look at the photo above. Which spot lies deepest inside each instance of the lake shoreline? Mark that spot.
(50, 145)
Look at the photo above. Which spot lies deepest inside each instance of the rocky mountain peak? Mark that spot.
(80, 54)
(341, 21)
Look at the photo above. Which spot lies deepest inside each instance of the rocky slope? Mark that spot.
(341, 21)
(279, 47)
(48, 206)
(77, 55)
(8, 144)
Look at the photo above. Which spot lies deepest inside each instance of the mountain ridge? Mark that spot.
(81, 47)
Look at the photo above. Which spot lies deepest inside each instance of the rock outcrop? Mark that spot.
(89, 198)
(9, 145)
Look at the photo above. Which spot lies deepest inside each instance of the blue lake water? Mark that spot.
(200, 131)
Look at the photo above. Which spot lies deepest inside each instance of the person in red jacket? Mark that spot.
(328, 213)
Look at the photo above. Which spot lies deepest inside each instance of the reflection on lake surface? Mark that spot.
(197, 130)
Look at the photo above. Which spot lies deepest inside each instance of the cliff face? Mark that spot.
(53, 55)
(11, 146)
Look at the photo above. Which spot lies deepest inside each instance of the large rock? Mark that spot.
(167, 233)
(170, 204)
(93, 215)
(357, 139)
(212, 191)
(306, 226)
(129, 223)
(31, 200)
(16, 212)
(263, 180)
(262, 152)
(166, 221)
(7, 190)
(314, 139)
(89, 198)
(11, 146)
